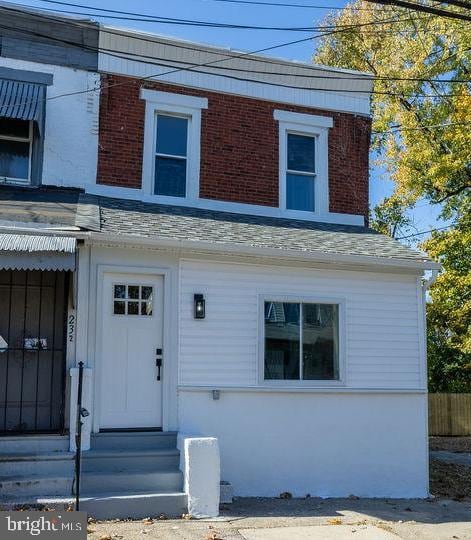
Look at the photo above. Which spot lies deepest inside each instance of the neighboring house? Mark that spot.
(216, 276)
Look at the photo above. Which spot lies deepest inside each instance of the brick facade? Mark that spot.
(239, 146)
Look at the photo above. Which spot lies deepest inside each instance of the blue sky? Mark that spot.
(424, 216)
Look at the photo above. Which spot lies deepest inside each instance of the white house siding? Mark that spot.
(71, 124)
(329, 88)
(383, 316)
(367, 438)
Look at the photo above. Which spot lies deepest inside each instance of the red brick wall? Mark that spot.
(239, 146)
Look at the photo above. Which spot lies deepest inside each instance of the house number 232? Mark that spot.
(71, 328)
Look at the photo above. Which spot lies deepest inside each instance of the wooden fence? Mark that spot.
(449, 414)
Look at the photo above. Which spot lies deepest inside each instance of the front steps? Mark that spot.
(123, 475)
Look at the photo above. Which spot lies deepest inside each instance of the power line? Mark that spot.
(191, 68)
(181, 22)
(194, 67)
(278, 4)
(264, 60)
(459, 3)
(425, 232)
(433, 126)
(423, 9)
(131, 56)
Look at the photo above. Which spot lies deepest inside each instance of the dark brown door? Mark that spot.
(32, 351)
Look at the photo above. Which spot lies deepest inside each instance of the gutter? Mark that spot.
(202, 247)
(427, 283)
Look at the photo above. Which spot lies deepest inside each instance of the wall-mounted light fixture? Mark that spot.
(200, 306)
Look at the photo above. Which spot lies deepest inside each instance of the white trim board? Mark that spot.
(296, 390)
(203, 247)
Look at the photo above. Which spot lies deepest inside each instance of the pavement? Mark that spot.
(307, 519)
(458, 458)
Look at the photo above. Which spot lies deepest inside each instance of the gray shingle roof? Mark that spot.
(132, 218)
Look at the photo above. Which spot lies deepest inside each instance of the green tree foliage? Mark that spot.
(422, 135)
(449, 312)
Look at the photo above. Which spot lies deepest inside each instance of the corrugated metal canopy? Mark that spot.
(22, 100)
(36, 252)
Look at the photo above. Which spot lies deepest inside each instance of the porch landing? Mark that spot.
(123, 475)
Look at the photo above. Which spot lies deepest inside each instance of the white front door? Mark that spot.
(130, 393)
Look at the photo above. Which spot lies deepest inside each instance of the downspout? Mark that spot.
(427, 283)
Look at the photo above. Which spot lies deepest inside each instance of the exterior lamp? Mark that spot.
(200, 306)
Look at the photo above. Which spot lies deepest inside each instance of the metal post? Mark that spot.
(78, 437)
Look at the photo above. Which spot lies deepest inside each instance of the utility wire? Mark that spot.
(182, 22)
(459, 3)
(264, 60)
(423, 9)
(285, 4)
(400, 128)
(346, 28)
(194, 67)
(425, 232)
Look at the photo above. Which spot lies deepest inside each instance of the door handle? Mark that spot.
(158, 362)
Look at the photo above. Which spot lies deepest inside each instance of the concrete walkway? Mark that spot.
(308, 519)
(458, 458)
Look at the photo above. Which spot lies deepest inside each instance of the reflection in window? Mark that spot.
(171, 155)
(300, 172)
(15, 149)
(301, 341)
(132, 300)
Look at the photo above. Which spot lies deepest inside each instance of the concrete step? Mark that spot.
(34, 444)
(117, 505)
(131, 481)
(134, 440)
(29, 485)
(44, 463)
(135, 460)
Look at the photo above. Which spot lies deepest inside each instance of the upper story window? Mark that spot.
(22, 114)
(15, 150)
(303, 163)
(171, 155)
(172, 133)
(300, 172)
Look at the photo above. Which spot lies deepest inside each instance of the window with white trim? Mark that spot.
(303, 163)
(15, 150)
(172, 133)
(301, 341)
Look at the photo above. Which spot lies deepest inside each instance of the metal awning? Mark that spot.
(36, 252)
(22, 100)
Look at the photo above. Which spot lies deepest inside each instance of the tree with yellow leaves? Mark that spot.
(421, 109)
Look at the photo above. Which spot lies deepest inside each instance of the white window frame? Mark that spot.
(311, 126)
(311, 383)
(179, 105)
(21, 181)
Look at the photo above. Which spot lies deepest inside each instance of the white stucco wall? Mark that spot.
(71, 130)
(324, 444)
